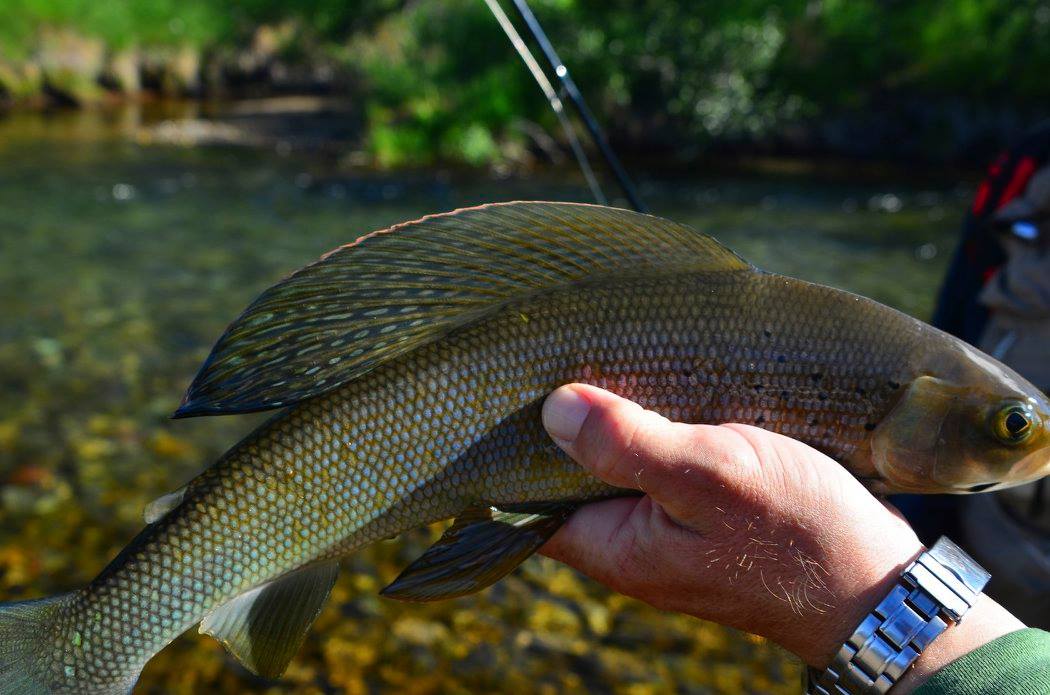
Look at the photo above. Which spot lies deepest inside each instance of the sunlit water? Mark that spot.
(121, 264)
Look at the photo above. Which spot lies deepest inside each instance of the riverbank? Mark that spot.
(64, 67)
(437, 83)
(331, 131)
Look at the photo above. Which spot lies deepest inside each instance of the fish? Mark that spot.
(408, 370)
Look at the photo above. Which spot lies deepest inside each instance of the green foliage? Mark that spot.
(198, 23)
(702, 67)
(441, 81)
(332, 19)
(444, 83)
(119, 22)
(678, 70)
(973, 49)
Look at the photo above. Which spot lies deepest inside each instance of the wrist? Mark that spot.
(858, 583)
(917, 627)
(986, 621)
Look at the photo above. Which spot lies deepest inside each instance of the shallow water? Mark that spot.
(121, 264)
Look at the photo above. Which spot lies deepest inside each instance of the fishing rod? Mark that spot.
(552, 97)
(597, 135)
(573, 92)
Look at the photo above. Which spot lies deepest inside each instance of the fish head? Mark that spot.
(965, 423)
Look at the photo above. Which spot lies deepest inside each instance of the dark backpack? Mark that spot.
(979, 253)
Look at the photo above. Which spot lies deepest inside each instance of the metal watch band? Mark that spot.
(933, 592)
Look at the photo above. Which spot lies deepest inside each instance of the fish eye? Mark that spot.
(1014, 423)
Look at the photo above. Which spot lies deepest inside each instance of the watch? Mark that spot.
(933, 592)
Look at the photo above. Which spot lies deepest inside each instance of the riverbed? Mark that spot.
(121, 262)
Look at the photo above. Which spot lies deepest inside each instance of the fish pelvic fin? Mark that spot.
(158, 508)
(397, 289)
(27, 647)
(264, 628)
(481, 547)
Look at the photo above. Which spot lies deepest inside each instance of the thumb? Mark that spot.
(615, 541)
(622, 443)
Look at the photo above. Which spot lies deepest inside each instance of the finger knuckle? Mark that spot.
(732, 454)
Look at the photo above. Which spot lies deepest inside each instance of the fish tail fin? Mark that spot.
(24, 644)
(27, 645)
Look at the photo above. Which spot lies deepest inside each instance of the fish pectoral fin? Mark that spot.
(162, 505)
(481, 547)
(265, 627)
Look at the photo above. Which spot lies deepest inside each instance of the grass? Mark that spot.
(118, 23)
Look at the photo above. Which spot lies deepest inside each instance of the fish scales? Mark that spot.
(457, 422)
(385, 434)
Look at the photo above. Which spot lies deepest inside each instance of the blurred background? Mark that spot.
(163, 161)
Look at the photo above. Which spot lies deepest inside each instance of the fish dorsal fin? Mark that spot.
(480, 548)
(399, 288)
(264, 628)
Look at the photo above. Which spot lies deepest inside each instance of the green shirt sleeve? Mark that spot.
(1014, 664)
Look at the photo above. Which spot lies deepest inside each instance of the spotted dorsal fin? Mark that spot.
(397, 289)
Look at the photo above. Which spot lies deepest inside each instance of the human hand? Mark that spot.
(738, 525)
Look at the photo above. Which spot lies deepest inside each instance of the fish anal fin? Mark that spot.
(398, 289)
(482, 546)
(264, 628)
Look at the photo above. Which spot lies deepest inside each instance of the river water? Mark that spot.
(120, 264)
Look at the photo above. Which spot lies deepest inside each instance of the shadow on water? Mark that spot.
(121, 262)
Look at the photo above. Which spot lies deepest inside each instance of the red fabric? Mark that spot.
(980, 200)
(1022, 173)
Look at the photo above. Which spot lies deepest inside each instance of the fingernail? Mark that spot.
(563, 415)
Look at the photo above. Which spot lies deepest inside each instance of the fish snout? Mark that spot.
(1032, 467)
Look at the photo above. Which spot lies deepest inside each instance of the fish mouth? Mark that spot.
(1031, 468)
